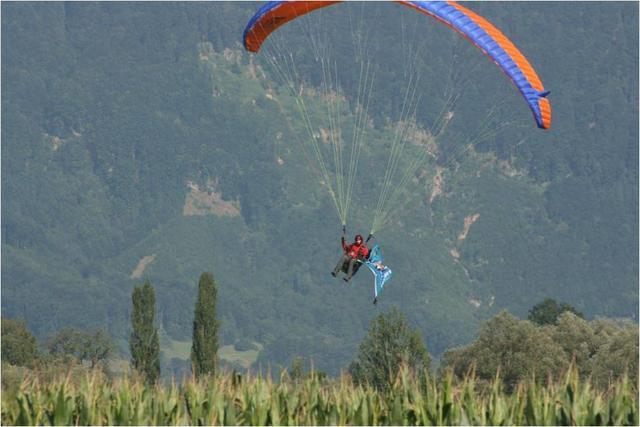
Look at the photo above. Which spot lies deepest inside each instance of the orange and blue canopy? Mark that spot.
(476, 29)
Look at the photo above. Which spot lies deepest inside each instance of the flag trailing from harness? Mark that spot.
(381, 272)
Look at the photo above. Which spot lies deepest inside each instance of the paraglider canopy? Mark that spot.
(484, 35)
(406, 138)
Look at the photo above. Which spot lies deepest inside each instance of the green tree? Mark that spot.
(90, 348)
(204, 348)
(66, 342)
(577, 338)
(144, 343)
(389, 344)
(19, 346)
(516, 348)
(99, 349)
(603, 349)
(548, 311)
(617, 354)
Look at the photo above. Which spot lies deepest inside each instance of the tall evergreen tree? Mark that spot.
(144, 342)
(204, 348)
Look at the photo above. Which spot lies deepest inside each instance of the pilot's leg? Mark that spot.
(352, 263)
(341, 262)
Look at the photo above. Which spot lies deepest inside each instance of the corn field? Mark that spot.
(258, 400)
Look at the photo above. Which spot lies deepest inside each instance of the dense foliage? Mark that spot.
(144, 343)
(548, 311)
(389, 345)
(138, 142)
(204, 348)
(229, 400)
(19, 346)
(601, 350)
(92, 348)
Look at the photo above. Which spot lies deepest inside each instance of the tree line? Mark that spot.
(71, 347)
(553, 338)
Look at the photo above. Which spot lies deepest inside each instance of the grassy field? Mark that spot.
(229, 400)
(243, 358)
(182, 350)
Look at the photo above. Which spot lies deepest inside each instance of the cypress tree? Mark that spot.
(204, 348)
(144, 343)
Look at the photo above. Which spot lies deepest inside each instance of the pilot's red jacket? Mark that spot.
(354, 250)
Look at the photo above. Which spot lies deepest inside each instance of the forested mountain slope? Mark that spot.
(139, 141)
